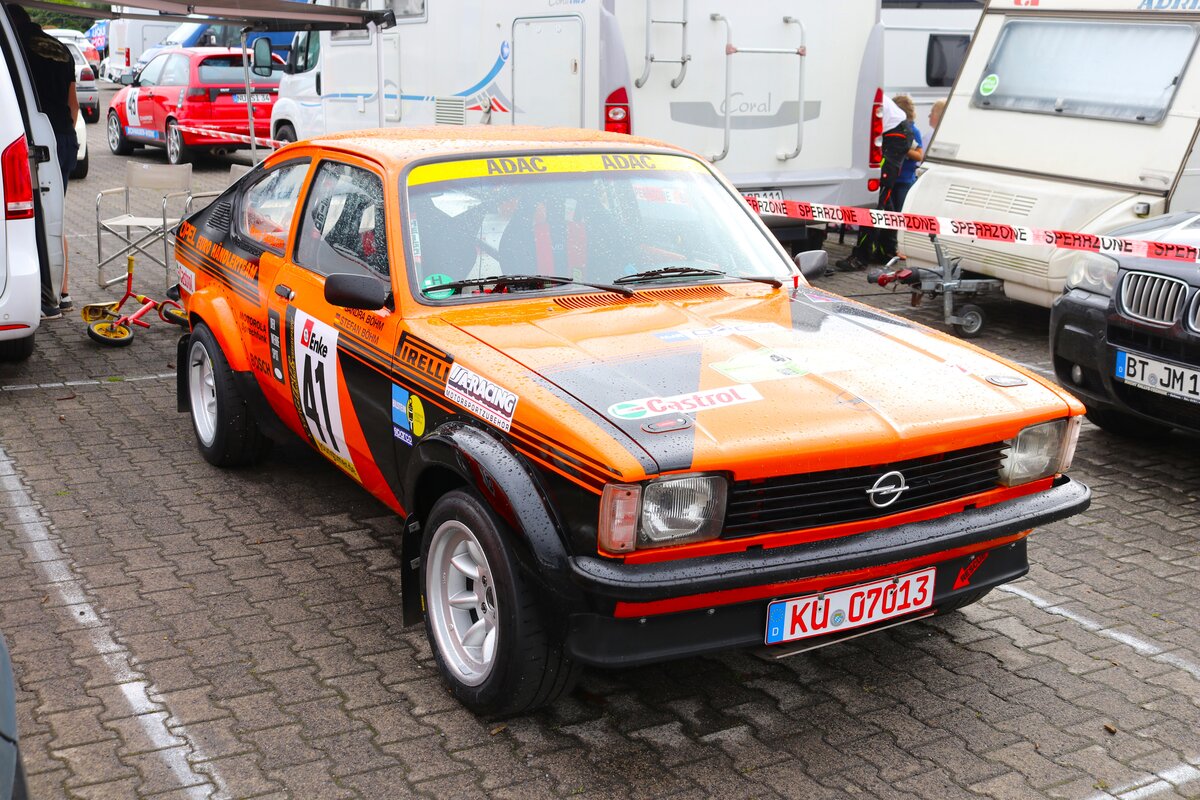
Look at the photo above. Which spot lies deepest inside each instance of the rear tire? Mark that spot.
(1127, 426)
(286, 133)
(226, 432)
(117, 143)
(485, 625)
(16, 349)
(81, 168)
(177, 151)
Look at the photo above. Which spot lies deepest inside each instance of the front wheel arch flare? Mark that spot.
(502, 478)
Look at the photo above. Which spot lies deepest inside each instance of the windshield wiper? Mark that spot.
(688, 272)
(503, 281)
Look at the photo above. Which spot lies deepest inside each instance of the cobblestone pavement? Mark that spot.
(182, 631)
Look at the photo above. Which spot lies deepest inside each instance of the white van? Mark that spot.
(724, 79)
(924, 45)
(1070, 115)
(129, 38)
(31, 194)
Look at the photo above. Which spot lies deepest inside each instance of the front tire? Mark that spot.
(117, 143)
(177, 151)
(226, 432)
(1127, 426)
(485, 625)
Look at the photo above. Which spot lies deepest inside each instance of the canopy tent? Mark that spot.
(257, 15)
(252, 15)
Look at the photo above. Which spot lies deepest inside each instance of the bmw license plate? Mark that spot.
(254, 98)
(849, 608)
(1160, 377)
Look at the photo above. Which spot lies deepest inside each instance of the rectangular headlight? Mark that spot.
(1040, 451)
(678, 510)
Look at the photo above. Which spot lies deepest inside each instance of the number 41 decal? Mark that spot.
(315, 386)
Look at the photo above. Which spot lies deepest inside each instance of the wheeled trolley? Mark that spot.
(945, 280)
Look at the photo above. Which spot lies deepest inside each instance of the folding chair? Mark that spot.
(164, 182)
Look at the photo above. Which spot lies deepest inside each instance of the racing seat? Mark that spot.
(160, 181)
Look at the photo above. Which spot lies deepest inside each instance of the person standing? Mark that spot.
(53, 71)
(916, 153)
(879, 244)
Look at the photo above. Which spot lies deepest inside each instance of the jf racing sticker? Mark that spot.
(408, 415)
(312, 346)
(692, 401)
(481, 397)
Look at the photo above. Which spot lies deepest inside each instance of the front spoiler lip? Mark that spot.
(648, 582)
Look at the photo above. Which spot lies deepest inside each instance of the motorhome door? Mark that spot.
(547, 71)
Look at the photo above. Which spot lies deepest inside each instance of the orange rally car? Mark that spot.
(619, 424)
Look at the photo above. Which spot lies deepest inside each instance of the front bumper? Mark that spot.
(675, 609)
(1086, 332)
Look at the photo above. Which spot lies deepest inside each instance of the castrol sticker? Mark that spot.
(646, 407)
(315, 383)
(483, 398)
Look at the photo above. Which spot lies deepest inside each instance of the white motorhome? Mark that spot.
(1071, 115)
(724, 79)
(924, 45)
(128, 38)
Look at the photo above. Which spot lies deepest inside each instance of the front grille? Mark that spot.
(1152, 344)
(814, 499)
(1152, 298)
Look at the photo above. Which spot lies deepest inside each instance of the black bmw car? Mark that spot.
(1125, 335)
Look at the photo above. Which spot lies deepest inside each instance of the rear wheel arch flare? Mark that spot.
(216, 314)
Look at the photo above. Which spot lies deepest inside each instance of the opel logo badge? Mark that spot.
(887, 489)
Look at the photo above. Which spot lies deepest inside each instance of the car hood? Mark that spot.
(710, 378)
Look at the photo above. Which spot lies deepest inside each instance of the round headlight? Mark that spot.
(1094, 273)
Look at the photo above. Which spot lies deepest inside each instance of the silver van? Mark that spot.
(31, 193)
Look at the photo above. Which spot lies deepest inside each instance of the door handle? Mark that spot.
(318, 77)
(284, 291)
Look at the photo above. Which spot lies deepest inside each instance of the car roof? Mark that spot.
(397, 147)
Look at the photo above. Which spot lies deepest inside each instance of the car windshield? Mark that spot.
(642, 220)
(219, 70)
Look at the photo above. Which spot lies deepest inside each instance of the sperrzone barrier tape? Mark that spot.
(987, 231)
(233, 137)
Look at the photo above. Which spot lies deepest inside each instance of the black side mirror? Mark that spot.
(349, 290)
(812, 263)
(261, 63)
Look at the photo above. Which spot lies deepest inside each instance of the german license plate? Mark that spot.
(769, 202)
(254, 98)
(1161, 377)
(850, 608)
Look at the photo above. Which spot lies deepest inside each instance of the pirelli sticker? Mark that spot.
(533, 165)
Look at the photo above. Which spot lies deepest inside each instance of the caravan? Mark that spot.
(1069, 115)
(726, 80)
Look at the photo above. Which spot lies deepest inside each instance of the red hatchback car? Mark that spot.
(196, 87)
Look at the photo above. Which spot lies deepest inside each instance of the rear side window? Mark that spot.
(1104, 70)
(221, 70)
(268, 206)
(175, 73)
(344, 227)
(944, 57)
